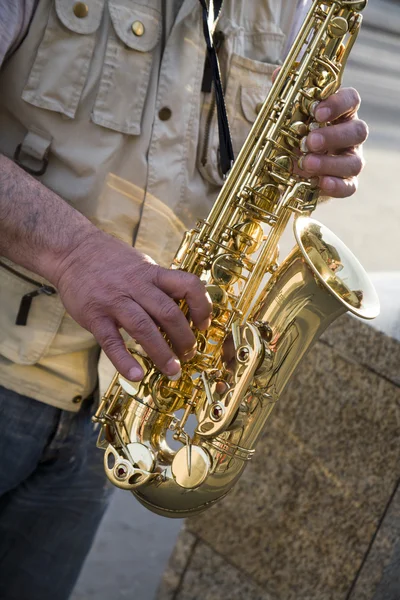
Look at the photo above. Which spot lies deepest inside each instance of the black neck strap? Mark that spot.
(210, 18)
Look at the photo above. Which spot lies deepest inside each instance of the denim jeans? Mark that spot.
(53, 494)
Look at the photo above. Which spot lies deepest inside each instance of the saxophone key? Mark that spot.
(200, 466)
(265, 197)
(217, 411)
(248, 236)
(338, 27)
(226, 270)
(309, 100)
(295, 132)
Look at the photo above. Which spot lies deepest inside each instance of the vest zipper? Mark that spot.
(26, 300)
(218, 40)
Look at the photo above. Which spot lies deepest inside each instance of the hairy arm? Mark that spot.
(37, 228)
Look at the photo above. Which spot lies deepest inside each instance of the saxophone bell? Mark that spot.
(319, 280)
(336, 267)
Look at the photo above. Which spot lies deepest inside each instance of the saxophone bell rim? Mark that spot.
(353, 288)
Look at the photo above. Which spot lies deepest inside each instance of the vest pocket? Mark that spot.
(134, 33)
(26, 344)
(248, 84)
(61, 65)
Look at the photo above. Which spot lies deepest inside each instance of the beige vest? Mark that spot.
(125, 134)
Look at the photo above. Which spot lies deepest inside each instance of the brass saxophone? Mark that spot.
(180, 446)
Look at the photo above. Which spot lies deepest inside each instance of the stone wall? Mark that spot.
(316, 516)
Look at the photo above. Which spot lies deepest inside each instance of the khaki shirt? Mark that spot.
(131, 142)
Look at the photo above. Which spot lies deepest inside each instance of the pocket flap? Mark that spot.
(89, 23)
(125, 13)
(26, 344)
(250, 98)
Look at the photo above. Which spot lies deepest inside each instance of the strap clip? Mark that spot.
(32, 154)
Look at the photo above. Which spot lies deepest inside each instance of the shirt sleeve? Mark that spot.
(15, 17)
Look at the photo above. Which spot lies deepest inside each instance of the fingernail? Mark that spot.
(323, 114)
(315, 141)
(303, 144)
(328, 184)
(205, 324)
(313, 163)
(313, 108)
(190, 353)
(173, 369)
(300, 162)
(135, 374)
(175, 377)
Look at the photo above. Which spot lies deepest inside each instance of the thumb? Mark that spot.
(275, 74)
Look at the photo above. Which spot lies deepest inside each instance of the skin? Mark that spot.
(105, 284)
(334, 152)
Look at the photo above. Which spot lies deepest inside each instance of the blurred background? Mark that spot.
(133, 546)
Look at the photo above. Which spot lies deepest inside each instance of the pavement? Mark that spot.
(132, 546)
(130, 553)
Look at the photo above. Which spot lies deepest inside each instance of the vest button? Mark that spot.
(80, 10)
(165, 113)
(77, 399)
(138, 28)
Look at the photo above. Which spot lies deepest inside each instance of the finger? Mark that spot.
(172, 321)
(221, 388)
(337, 137)
(343, 165)
(337, 187)
(275, 74)
(185, 286)
(139, 326)
(109, 338)
(345, 102)
(228, 350)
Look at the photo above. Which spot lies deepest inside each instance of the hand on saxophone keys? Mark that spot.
(334, 153)
(106, 285)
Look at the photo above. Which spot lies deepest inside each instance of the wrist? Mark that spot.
(58, 260)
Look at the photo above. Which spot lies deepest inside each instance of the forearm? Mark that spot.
(38, 229)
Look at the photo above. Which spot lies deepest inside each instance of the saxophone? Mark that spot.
(180, 446)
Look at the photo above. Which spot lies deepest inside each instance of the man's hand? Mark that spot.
(333, 152)
(105, 284)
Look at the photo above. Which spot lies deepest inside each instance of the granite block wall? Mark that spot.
(316, 515)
